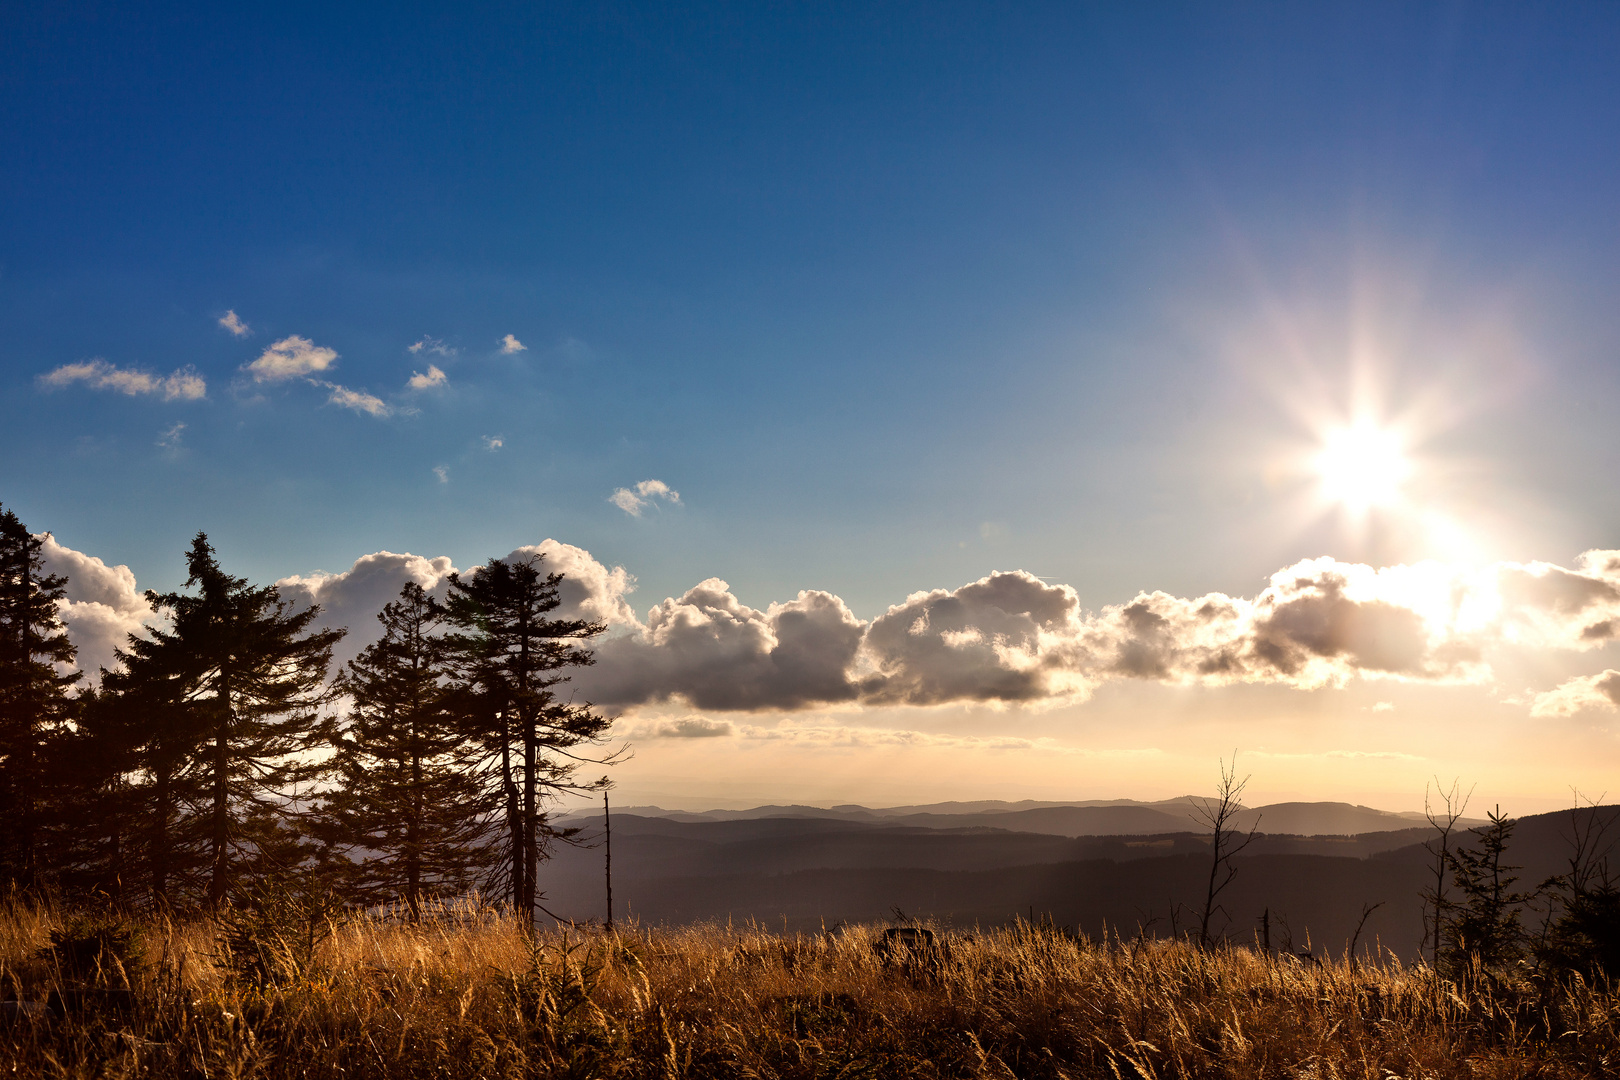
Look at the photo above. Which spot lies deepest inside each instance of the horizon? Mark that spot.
(963, 405)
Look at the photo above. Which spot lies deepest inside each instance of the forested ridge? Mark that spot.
(224, 753)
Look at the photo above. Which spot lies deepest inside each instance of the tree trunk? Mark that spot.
(221, 837)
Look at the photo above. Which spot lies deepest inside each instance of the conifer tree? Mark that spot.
(406, 796)
(35, 704)
(513, 656)
(1485, 924)
(145, 730)
(241, 678)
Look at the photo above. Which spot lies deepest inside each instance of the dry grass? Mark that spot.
(466, 994)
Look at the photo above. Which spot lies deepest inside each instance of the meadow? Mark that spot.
(308, 992)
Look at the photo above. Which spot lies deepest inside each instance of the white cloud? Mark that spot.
(184, 384)
(102, 606)
(430, 345)
(634, 500)
(715, 652)
(353, 597)
(1006, 638)
(434, 377)
(170, 438)
(290, 358)
(234, 324)
(357, 400)
(493, 443)
(442, 472)
(1597, 692)
(510, 344)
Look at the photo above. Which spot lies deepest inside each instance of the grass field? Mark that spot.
(465, 994)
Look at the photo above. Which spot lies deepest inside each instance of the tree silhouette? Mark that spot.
(406, 799)
(1484, 925)
(243, 679)
(35, 705)
(512, 655)
(1226, 841)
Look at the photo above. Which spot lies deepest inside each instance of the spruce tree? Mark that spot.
(242, 679)
(512, 657)
(406, 799)
(35, 703)
(1484, 925)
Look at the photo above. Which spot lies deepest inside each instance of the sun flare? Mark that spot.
(1362, 466)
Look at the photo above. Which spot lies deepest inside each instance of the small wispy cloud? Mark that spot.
(634, 500)
(170, 439)
(686, 727)
(290, 358)
(183, 385)
(510, 344)
(430, 345)
(442, 472)
(232, 322)
(493, 443)
(434, 377)
(358, 400)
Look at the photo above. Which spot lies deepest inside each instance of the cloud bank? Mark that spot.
(1008, 638)
(182, 385)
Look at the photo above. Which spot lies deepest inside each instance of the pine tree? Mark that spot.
(407, 797)
(1484, 925)
(147, 732)
(512, 656)
(35, 703)
(241, 678)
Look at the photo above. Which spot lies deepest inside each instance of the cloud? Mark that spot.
(170, 438)
(715, 652)
(184, 384)
(634, 500)
(510, 344)
(1011, 638)
(493, 443)
(290, 358)
(442, 472)
(357, 400)
(102, 606)
(687, 727)
(353, 597)
(234, 324)
(1598, 692)
(434, 377)
(430, 345)
(1007, 638)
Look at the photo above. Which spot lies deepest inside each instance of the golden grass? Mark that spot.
(465, 993)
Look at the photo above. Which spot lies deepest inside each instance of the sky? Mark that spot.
(939, 402)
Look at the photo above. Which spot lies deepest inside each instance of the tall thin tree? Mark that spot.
(513, 656)
(406, 800)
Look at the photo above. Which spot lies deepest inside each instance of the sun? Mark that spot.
(1362, 466)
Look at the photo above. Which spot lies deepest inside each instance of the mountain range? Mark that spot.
(1311, 873)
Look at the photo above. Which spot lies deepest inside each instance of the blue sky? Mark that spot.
(894, 296)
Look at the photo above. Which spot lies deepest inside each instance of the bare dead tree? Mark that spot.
(607, 843)
(1366, 911)
(1444, 818)
(1227, 842)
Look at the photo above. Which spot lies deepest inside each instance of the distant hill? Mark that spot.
(800, 872)
(1122, 817)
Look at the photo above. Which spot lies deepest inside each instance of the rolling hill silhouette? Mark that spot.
(805, 870)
